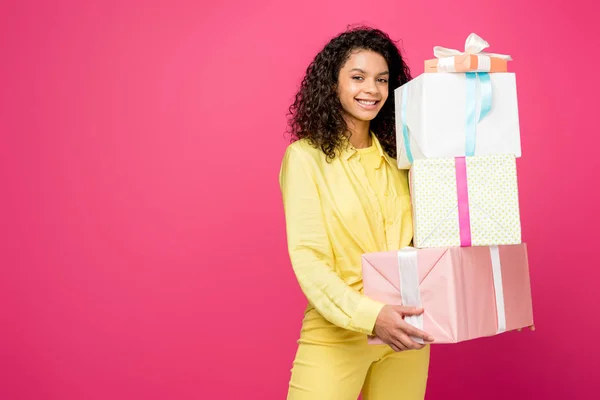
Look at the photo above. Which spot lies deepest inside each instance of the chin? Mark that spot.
(366, 117)
(362, 115)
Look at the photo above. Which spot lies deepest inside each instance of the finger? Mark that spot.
(409, 343)
(401, 346)
(412, 331)
(409, 310)
(531, 328)
(394, 347)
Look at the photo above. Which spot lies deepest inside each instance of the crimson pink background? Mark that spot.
(143, 251)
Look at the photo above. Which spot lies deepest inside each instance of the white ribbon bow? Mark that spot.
(473, 45)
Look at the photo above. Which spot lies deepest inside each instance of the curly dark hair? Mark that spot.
(316, 113)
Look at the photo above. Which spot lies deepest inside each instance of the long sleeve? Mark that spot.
(311, 253)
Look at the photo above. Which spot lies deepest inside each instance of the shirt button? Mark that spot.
(386, 193)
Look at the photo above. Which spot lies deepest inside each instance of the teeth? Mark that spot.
(367, 103)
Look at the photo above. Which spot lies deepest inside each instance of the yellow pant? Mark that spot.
(337, 364)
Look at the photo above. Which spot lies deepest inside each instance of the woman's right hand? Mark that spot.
(391, 328)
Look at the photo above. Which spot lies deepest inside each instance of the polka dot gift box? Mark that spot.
(465, 201)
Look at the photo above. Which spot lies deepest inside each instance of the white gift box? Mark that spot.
(441, 115)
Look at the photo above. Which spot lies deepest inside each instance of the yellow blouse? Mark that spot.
(335, 212)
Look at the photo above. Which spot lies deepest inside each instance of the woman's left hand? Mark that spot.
(531, 328)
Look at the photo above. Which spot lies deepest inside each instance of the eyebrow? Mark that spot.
(362, 71)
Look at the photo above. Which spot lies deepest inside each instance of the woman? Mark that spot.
(344, 196)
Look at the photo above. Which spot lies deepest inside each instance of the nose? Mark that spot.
(371, 87)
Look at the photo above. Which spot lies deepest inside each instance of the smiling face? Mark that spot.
(363, 86)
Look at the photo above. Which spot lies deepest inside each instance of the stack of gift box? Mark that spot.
(457, 130)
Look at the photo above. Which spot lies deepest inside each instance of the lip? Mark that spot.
(368, 107)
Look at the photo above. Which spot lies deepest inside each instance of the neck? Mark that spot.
(359, 133)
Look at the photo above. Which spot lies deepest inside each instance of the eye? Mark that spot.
(357, 77)
(383, 80)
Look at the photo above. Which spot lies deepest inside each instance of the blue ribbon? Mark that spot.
(485, 90)
(404, 126)
(486, 94)
(471, 123)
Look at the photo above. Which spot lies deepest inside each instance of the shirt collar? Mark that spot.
(350, 151)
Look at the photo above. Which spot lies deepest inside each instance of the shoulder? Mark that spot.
(305, 147)
(302, 161)
(303, 151)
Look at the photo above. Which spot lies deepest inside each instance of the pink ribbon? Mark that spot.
(462, 190)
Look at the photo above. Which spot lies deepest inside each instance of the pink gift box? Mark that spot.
(466, 292)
